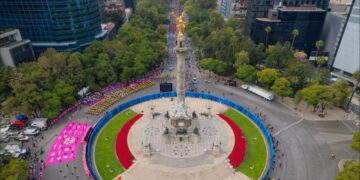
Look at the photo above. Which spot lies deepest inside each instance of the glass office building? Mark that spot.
(308, 20)
(61, 24)
(259, 8)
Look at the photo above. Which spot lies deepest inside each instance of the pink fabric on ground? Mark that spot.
(65, 147)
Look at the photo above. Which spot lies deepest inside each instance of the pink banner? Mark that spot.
(65, 147)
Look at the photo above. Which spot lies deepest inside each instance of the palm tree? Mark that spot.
(267, 30)
(356, 77)
(320, 61)
(318, 44)
(295, 33)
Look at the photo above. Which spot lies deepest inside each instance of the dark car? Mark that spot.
(230, 83)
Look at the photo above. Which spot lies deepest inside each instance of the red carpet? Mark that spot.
(122, 150)
(238, 153)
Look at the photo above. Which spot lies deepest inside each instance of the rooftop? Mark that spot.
(268, 20)
(5, 30)
(306, 8)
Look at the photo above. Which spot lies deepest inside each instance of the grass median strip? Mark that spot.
(106, 161)
(255, 156)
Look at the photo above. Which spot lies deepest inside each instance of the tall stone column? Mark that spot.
(180, 67)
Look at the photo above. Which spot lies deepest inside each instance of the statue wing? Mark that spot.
(183, 13)
(173, 15)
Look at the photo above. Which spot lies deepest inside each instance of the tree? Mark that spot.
(278, 56)
(356, 141)
(104, 73)
(297, 72)
(216, 66)
(52, 105)
(318, 44)
(65, 92)
(295, 33)
(267, 30)
(242, 58)
(321, 60)
(267, 76)
(27, 99)
(321, 76)
(351, 171)
(16, 169)
(356, 77)
(312, 95)
(6, 74)
(247, 73)
(282, 87)
(300, 55)
(341, 91)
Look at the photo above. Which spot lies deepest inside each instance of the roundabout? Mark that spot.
(179, 136)
(233, 143)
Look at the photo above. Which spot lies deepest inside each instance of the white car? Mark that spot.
(244, 86)
(15, 151)
(5, 129)
(22, 137)
(32, 130)
(194, 80)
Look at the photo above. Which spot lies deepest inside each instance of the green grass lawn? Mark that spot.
(105, 155)
(255, 154)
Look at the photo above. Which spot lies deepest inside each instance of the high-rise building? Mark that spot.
(114, 6)
(239, 8)
(283, 20)
(14, 49)
(259, 8)
(223, 7)
(102, 10)
(347, 55)
(60, 24)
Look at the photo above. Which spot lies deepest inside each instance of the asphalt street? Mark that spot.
(307, 145)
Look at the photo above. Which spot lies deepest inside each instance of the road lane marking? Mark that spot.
(289, 126)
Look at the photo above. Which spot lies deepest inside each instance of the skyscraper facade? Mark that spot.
(283, 20)
(259, 8)
(61, 24)
(347, 54)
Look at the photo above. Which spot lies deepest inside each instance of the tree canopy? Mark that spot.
(16, 169)
(351, 171)
(46, 87)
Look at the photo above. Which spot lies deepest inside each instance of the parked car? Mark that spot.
(194, 80)
(40, 123)
(15, 151)
(5, 129)
(32, 130)
(22, 137)
(4, 138)
(15, 127)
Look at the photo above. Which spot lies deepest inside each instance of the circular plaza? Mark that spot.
(224, 141)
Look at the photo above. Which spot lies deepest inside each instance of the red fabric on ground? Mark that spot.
(122, 149)
(237, 154)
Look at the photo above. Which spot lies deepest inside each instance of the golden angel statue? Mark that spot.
(180, 23)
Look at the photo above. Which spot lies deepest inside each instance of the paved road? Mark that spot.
(306, 145)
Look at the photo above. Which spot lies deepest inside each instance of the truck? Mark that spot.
(258, 91)
(41, 123)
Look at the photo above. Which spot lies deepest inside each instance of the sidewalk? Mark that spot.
(306, 111)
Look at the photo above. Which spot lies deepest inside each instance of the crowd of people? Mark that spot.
(92, 98)
(116, 95)
(279, 154)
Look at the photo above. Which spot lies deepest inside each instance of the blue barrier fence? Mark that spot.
(124, 106)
